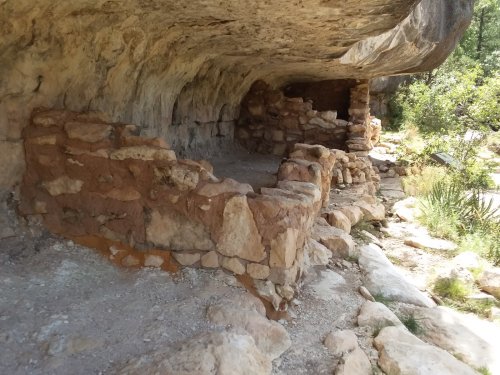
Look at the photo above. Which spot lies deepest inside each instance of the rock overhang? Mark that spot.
(172, 66)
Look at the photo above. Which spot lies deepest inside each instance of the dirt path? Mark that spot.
(64, 309)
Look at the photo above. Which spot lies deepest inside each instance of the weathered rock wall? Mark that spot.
(179, 70)
(272, 123)
(88, 179)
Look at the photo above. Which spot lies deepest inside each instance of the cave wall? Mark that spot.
(179, 70)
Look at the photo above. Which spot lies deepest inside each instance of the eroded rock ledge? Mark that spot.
(180, 69)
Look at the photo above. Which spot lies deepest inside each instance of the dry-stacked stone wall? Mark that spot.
(363, 130)
(92, 181)
(272, 123)
(353, 170)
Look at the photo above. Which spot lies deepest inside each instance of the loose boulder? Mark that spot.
(401, 353)
(221, 353)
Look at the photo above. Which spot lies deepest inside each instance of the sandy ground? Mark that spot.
(255, 169)
(64, 309)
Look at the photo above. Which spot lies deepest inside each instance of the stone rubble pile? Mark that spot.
(351, 169)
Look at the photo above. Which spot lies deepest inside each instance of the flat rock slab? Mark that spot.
(222, 353)
(423, 242)
(473, 340)
(376, 315)
(382, 278)
(325, 284)
(401, 353)
(391, 188)
(405, 209)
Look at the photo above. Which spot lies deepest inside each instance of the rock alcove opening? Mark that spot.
(325, 95)
(271, 120)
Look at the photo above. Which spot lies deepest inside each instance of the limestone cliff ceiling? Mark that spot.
(158, 62)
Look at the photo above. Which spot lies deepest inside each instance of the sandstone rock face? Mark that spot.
(258, 271)
(317, 254)
(382, 278)
(87, 132)
(472, 339)
(177, 69)
(353, 360)
(210, 260)
(234, 265)
(228, 185)
(338, 219)
(423, 242)
(63, 185)
(372, 210)
(354, 213)
(284, 249)
(223, 353)
(186, 259)
(395, 346)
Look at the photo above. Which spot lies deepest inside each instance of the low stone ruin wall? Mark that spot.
(88, 180)
(353, 170)
(272, 123)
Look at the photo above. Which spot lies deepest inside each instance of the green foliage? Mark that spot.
(481, 41)
(421, 185)
(465, 91)
(451, 211)
(485, 242)
(452, 288)
(483, 371)
(452, 101)
(382, 299)
(436, 110)
(481, 307)
(411, 323)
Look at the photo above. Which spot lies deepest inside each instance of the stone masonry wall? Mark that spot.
(89, 179)
(272, 123)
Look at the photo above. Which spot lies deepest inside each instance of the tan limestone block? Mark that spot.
(258, 271)
(63, 185)
(210, 260)
(240, 236)
(87, 132)
(284, 248)
(186, 259)
(234, 265)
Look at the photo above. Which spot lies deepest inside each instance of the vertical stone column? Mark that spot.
(359, 130)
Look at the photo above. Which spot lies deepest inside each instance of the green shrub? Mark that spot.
(382, 299)
(452, 288)
(421, 185)
(484, 371)
(412, 324)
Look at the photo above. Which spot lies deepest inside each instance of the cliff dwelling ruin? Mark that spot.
(206, 134)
